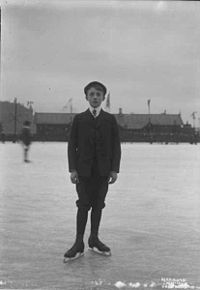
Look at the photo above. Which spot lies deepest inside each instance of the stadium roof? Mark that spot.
(53, 118)
(138, 121)
(129, 121)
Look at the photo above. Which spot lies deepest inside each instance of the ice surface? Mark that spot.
(151, 220)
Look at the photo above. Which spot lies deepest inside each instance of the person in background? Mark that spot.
(94, 154)
(26, 139)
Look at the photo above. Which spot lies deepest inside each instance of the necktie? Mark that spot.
(94, 112)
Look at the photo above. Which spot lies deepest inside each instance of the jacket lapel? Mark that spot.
(88, 114)
(100, 117)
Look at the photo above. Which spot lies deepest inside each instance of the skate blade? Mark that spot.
(78, 255)
(95, 250)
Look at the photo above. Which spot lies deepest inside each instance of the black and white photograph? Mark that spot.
(99, 144)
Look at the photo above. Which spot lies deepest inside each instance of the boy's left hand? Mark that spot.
(112, 177)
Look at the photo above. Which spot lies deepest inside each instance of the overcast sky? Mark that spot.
(139, 50)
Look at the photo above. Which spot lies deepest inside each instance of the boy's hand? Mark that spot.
(74, 177)
(112, 177)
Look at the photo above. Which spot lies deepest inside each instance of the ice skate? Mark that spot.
(76, 251)
(97, 246)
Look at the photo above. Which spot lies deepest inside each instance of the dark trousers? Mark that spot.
(92, 190)
(91, 194)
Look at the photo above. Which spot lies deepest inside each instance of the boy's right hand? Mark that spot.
(74, 177)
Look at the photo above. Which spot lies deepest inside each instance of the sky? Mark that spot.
(139, 49)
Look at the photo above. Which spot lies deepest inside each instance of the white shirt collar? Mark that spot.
(98, 110)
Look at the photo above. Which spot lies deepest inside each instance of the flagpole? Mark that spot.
(68, 105)
(194, 118)
(71, 106)
(149, 109)
(108, 102)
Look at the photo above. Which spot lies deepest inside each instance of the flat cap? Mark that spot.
(96, 85)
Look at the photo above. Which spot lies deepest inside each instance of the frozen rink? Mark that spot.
(151, 221)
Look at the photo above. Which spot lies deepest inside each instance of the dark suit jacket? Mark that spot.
(94, 138)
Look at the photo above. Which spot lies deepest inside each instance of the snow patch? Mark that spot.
(120, 284)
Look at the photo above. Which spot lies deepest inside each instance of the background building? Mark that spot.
(151, 128)
(12, 117)
(133, 127)
(53, 126)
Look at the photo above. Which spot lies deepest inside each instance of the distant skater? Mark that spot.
(94, 154)
(26, 139)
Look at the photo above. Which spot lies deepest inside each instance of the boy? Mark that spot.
(94, 154)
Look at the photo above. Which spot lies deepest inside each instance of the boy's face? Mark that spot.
(95, 97)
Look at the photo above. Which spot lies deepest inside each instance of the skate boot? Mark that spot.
(97, 246)
(76, 251)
